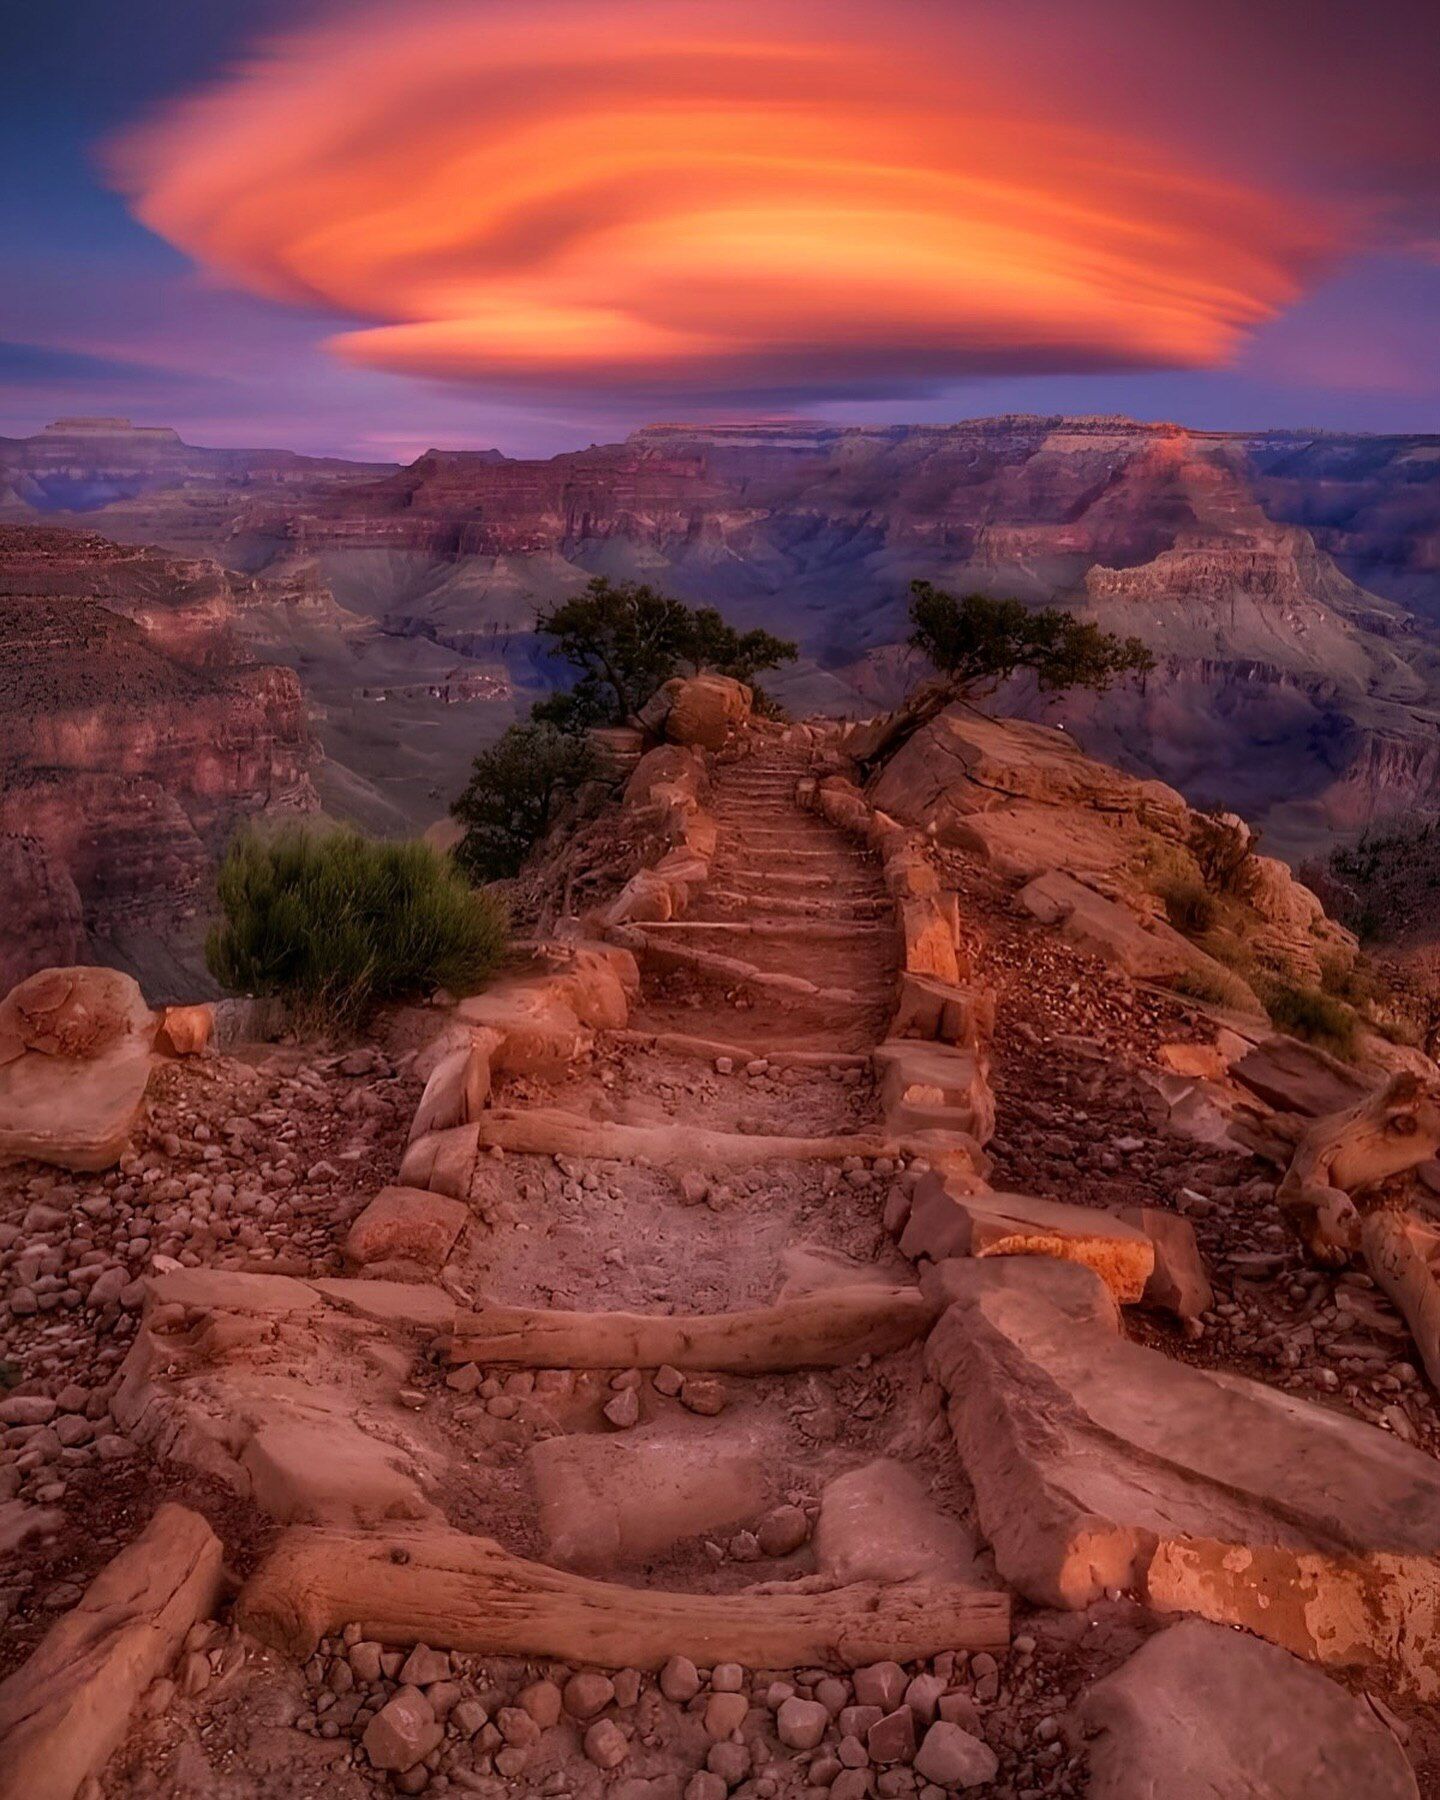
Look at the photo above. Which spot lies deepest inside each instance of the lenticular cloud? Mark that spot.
(699, 198)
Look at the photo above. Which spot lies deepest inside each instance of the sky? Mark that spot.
(364, 228)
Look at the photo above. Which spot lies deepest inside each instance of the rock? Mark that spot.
(184, 1030)
(679, 1680)
(1178, 1283)
(407, 1225)
(424, 1665)
(706, 710)
(725, 1713)
(952, 1758)
(891, 1739)
(606, 1502)
(624, 1410)
(1297, 1077)
(878, 1524)
(1202, 1713)
(588, 1693)
(801, 1724)
(403, 1732)
(945, 1221)
(880, 1684)
(727, 1678)
(65, 1710)
(1099, 1464)
(783, 1530)
(606, 1744)
(543, 1701)
(703, 1394)
(75, 1060)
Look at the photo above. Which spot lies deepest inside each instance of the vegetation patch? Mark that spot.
(335, 924)
(1312, 1014)
(516, 791)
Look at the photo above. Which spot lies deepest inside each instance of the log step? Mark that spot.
(825, 1330)
(456, 1592)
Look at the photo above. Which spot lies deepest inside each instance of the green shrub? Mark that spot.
(336, 923)
(515, 790)
(1307, 1012)
(1188, 906)
(1216, 986)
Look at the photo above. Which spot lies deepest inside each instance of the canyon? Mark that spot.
(1288, 583)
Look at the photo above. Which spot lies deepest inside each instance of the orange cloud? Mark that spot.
(701, 197)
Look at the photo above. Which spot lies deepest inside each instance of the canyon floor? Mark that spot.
(260, 1158)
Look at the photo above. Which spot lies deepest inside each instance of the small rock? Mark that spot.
(783, 1531)
(403, 1732)
(801, 1724)
(952, 1758)
(588, 1693)
(679, 1680)
(606, 1744)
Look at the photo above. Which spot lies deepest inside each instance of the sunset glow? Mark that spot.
(636, 197)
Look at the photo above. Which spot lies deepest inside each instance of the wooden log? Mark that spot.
(1404, 1257)
(823, 1330)
(683, 1043)
(63, 1712)
(463, 1593)
(548, 1131)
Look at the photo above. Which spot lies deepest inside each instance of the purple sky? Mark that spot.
(221, 321)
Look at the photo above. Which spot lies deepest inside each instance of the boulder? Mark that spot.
(1178, 1283)
(609, 1501)
(1202, 1713)
(930, 937)
(878, 1524)
(1097, 1463)
(930, 1086)
(75, 1060)
(706, 711)
(945, 1221)
(459, 1084)
(64, 1711)
(674, 767)
(540, 1032)
(185, 1030)
(407, 1225)
(1297, 1077)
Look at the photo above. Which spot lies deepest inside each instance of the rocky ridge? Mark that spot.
(813, 1245)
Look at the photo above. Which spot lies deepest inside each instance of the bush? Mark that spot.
(1188, 906)
(1215, 986)
(336, 924)
(1306, 1012)
(515, 791)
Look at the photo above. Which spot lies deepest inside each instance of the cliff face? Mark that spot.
(134, 736)
(1219, 549)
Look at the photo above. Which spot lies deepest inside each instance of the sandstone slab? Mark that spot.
(1097, 1463)
(1178, 1283)
(1202, 1713)
(408, 1225)
(65, 1710)
(607, 1501)
(946, 1222)
(877, 1523)
(76, 1049)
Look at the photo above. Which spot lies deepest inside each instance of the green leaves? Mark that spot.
(627, 639)
(337, 923)
(514, 790)
(981, 642)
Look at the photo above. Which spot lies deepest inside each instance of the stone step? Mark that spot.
(816, 906)
(818, 931)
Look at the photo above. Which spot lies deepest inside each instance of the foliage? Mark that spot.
(337, 923)
(1387, 884)
(513, 794)
(626, 639)
(1188, 906)
(1216, 986)
(1307, 1012)
(980, 642)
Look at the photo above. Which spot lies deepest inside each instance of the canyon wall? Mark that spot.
(135, 735)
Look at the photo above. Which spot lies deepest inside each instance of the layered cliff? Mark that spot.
(1277, 664)
(135, 734)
